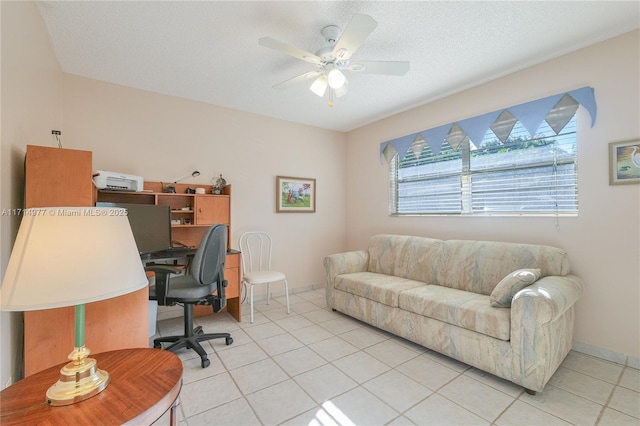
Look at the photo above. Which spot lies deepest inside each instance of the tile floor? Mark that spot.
(319, 367)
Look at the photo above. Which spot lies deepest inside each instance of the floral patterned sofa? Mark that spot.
(505, 308)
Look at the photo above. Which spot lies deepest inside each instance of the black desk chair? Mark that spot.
(196, 288)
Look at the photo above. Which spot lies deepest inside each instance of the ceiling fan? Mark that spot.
(332, 60)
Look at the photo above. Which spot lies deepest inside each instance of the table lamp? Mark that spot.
(69, 256)
(172, 189)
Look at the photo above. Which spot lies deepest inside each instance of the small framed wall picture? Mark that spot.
(624, 162)
(295, 195)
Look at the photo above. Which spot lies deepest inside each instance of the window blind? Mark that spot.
(536, 175)
(521, 159)
(523, 175)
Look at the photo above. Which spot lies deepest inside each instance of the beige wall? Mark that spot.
(31, 108)
(603, 242)
(164, 138)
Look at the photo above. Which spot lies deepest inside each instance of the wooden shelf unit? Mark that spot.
(57, 177)
(203, 211)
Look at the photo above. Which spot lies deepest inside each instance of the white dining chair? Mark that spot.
(255, 248)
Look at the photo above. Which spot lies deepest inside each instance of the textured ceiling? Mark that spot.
(208, 51)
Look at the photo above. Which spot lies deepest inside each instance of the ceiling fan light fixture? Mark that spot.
(341, 91)
(319, 86)
(336, 78)
(335, 57)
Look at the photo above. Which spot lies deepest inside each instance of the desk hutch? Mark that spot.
(193, 214)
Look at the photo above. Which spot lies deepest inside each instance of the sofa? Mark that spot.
(504, 308)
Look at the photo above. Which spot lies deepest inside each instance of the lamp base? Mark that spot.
(79, 380)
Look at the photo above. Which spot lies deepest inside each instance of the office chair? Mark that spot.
(206, 277)
(255, 247)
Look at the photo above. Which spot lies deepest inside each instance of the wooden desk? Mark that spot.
(145, 383)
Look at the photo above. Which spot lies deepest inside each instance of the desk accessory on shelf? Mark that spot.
(218, 185)
(116, 181)
(172, 189)
(69, 256)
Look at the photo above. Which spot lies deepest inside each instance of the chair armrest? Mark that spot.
(166, 269)
(219, 299)
(162, 273)
(542, 323)
(343, 263)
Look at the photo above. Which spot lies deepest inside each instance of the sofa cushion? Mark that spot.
(415, 258)
(511, 284)
(461, 308)
(478, 266)
(378, 287)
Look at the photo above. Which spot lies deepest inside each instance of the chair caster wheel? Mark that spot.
(228, 341)
(157, 345)
(205, 363)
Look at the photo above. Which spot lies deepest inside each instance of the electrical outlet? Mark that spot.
(56, 132)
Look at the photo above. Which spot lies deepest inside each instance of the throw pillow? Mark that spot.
(511, 284)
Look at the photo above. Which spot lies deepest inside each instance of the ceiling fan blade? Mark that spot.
(302, 77)
(319, 86)
(289, 50)
(380, 67)
(357, 31)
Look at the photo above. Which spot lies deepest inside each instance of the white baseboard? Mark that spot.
(608, 355)
(292, 291)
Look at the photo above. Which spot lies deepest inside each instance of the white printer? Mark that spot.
(117, 181)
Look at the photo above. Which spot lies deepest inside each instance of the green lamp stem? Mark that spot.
(79, 330)
(79, 379)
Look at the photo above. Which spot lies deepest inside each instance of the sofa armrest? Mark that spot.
(542, 322)
(343, 263)
(549, 297)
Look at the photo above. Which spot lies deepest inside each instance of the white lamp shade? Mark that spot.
(336, 78)
(65, 256)
(319, 86)
(341, 91)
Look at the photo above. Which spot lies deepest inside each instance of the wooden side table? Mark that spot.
(145, 383)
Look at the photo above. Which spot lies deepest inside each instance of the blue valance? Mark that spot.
(556, 110)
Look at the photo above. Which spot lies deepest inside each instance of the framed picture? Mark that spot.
(624, 162)
(295, 195)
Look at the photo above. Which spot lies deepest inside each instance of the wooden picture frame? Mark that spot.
(295, 195)
(624, 162)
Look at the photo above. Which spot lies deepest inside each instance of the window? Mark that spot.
(523, 175)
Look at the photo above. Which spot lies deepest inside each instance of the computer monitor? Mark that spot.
(150, 224)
